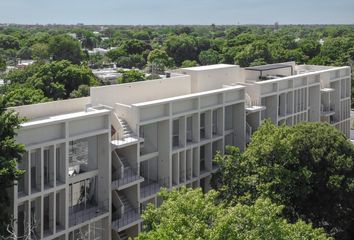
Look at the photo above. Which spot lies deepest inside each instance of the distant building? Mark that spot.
(100, 51)
(25, 63)
(73, 35)
(93, 164)
(107, 75)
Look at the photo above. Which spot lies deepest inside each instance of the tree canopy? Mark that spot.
(308, 168)
(63, 47)
(190, 214)
(159, 48)
(131, 76)
(10, 154)
(46, 81)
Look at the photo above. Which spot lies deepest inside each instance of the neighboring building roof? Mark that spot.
(269, 67)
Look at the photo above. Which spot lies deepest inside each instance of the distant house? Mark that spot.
(100, 51)
(25, 63)
(107, 75)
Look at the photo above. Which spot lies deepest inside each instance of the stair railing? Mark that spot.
(121, 170)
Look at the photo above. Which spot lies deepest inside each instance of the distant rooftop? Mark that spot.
(269, 67)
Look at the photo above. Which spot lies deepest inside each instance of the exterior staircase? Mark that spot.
(126, 174)
(129, 215)
(123, 235)
(127, 131)
(122, 134)
(127, 207)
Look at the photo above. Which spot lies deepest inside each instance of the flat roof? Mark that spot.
(269, 67)
(62, 117)
(191, 95)
(209, 67)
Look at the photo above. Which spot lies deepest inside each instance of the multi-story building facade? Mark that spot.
(93, 164)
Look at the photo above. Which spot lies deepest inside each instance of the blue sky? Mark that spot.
(167, 12)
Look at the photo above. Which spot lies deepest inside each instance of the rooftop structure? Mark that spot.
(103, 158)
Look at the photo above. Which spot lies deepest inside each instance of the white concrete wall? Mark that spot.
(136, 92)
(207, 78)
(52, 108)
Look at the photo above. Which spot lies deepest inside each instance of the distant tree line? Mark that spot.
(156, 49)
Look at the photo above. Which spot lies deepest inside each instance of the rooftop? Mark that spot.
(269, 67)
(209, 67)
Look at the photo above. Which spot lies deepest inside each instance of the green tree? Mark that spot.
(131, 76)
(10, 155)
(25, 53)
(190, 214)
(82, 91)
(189, 63)
(40, 51)
(63, 47)
(131, 61)
(208, 57)
(312, 176)
(134, 46)
(310, 47)
(256, 50)
(22, 94)
(9, 42)
(58, 79)
(161, 56)
(2, 65)
(181, 48)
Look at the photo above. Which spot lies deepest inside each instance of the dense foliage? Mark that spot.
(190, 214)
(41, 82)
(10, 155)
(156, 49)
(308, 168)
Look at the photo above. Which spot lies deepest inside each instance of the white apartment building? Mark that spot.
(93, 164)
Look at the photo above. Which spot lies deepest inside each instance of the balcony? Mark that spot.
(182, 175)
(129, 176)
(214, 167)
(127, 218)
(149, 187)
(327, 111)
(84, 212)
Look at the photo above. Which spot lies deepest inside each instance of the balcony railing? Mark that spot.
(188, 174)
(327, 108)
(82, 213)
(129, 175)
(182, 176)
(149, 187)
(128, 217)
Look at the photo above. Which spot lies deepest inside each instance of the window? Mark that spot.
(83, 194)
(175, 133)
(215, 122)
(82, 155)
(202, 125)
(202, 158)
(189, 129)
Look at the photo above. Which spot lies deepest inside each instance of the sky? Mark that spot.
(168, 12)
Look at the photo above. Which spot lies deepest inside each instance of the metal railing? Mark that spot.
(149, 187)
(327, 108)
(248, 131)
(214, 167)
(333, 120)
(182, 175)
(129, 175)
(189, 174)
(82, 213)
(251, 102)
(127, 218)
